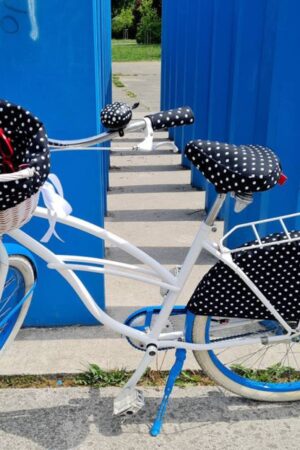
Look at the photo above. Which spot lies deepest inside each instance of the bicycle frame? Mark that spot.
(155, 274)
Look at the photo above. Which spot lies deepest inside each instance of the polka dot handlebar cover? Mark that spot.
(30, 149)
(172, 118)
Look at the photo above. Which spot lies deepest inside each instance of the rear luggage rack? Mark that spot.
(285, 236)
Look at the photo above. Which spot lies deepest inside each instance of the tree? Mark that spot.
(118, 5)
(149, 27)
(157, 4)
(122, 21)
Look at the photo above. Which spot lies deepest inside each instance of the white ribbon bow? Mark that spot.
(53, 196)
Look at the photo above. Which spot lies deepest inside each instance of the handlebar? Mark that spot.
(172, 118)
(164, 119)
(134, 125)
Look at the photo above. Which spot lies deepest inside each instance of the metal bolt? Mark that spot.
(265, 340)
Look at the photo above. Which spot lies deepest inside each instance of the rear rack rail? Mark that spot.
(287, 235)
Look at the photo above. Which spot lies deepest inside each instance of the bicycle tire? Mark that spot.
(20, 279)
(250, 383)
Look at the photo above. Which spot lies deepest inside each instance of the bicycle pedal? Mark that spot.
(128, 402)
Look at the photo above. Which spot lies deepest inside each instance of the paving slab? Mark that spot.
(197, 418)
(141, 83)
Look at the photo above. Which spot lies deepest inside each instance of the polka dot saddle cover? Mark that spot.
(274, 270)
(29, 141)
(235, 168)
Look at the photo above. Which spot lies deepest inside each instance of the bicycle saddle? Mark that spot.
(235, 168)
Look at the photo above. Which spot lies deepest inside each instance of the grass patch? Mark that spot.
(96, 377)
(129, 50)
(273, 374)
(130, 94)
(118, 83)
(36, 381)
(116, 80)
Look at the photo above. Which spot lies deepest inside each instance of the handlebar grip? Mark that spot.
(172, 118)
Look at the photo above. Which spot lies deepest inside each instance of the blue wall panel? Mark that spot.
(243, 85)
(57, 64)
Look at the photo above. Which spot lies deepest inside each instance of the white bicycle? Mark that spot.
(242, 322)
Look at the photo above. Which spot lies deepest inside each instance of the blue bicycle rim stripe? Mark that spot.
(18, 306)
(252, 384)
(256, 385)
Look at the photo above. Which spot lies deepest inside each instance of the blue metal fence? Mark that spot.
(57, 63)
(237, 63)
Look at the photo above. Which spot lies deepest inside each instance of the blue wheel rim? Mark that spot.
(13, 294)
(247, 382)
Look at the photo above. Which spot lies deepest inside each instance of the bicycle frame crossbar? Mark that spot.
(286, 235)
(79, 265)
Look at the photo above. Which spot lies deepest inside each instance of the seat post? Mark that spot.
(215, 209)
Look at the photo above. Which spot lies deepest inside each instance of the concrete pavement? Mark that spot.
(197, 418)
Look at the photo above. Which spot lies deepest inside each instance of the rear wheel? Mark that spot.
(266, 372)
(19, 281)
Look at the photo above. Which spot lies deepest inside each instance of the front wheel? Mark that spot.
(257, 371)
(20, 279)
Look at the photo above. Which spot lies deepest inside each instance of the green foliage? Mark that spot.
(118, 5)
(97, 377)
(129, 50)
(116, 80)
(149, 27)
(274, 374)
(122, 21)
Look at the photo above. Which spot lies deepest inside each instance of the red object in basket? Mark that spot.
(6, 152)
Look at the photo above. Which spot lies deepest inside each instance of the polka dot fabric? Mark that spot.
(116, 115)
(172, 118)
(275, 271)
(30, 144)
(232, 168)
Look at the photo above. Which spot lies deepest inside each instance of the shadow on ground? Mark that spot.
(66, 426)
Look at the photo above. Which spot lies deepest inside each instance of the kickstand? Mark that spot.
(174, 372)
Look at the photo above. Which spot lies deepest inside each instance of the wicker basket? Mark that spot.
(17, 216)
(29, 164)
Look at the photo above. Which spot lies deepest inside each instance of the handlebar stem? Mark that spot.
(147, 144)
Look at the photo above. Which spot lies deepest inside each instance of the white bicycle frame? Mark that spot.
(152, 273)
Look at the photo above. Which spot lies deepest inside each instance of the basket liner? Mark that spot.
(30, 143)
